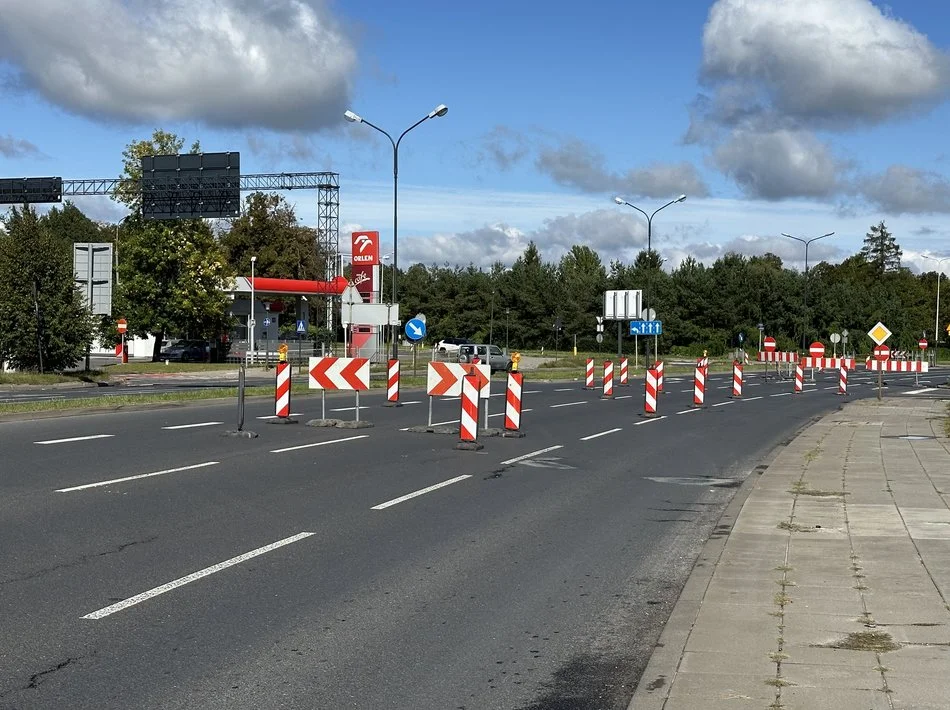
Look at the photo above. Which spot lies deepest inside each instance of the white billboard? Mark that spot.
(622, 305)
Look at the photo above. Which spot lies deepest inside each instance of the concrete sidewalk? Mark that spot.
(832, 588)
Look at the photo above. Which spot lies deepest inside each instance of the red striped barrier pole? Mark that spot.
(699, 386)
(392, 385)
(624, 372)
(608, 379)
(589, 380)
(649, 401)
(842, 380)
(468, 422)
(513, 405)
(736, 378)
(799, 378)
(658, 366)
(282, 391)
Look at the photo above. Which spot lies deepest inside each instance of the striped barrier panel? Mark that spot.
(282, 390)
(658, 366)
(765, 356)
(832, 363)
(589, 375)
(736, 378)
(702, 362)
(699, 386)
(392, 389)
(649, 401)
(799, 378)
(624, 373)
(444, 379)
(468, 421)
(898, 366)
(513, 401)
(842, 380)
(608, 379)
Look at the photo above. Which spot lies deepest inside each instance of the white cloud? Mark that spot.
(11, 147)
(823, 61)
(779, 164)
(285, 65)
(901, 189)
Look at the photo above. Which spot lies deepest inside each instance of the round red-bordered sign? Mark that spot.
(922, 343)
(816, 349)
(122, 325)
(769, 343)
(881, 352)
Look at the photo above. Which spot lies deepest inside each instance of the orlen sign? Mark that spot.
(365, 248)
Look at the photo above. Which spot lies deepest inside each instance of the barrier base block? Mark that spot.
(698, 406)
(352, 424)
(323, 422)
(243, 434)
(649, 415)
(282, 420)
(387, 403)
(469, 446)
(511, 434)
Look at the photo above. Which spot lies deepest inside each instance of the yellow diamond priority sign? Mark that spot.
(879, 333)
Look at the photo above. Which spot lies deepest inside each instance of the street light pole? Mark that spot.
(937, 318)
(507, 311)
(252, 323)
(437, 112)
(806, 242)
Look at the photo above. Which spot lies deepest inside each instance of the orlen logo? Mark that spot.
(366, 248)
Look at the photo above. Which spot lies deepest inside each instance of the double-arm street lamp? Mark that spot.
(806, 242)
(939, 261)
(620, 201)
(437, 112)
(251, 323)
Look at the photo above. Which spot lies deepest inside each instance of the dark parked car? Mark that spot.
(490, 355)
(187, 351)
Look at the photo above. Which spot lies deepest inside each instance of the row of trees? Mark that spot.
(169, 276)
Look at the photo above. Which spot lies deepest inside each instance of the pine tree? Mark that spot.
(881, 249)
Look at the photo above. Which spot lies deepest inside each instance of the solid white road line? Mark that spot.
(780, 394)
(926, 389)
(532, 392)
(624, 396)
(723, 404)
(415, 401)
(274, 416)
(688, 411)
(566, 389)
(319, 443)
(134, 478)
(532, 454)
(420, 492)
(191, 426)
(603, 433)
(689, 390)
(75, 438)
(194, 576)
(567, 404)
(350, 409)
(647, 421)
(752, 399)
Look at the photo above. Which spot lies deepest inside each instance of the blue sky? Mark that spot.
(798, 116)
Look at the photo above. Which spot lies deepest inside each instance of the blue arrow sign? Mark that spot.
(301, 326)
(646, 327)
(266, 322)
(415, 329)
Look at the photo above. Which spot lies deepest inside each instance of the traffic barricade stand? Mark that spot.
(699, 386)
(608, 380)
(513, 406)
(392, 385)
(468, 421)
(649, 401)
(799, 378)
(282, 394)
(736, 378)
(589, 375)
(658, 366)
(842, 380)
(624, 373)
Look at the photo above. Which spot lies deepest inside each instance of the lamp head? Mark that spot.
(681, 198)
(618, 200)
(253, 259)
(439, 111)
(352, 117)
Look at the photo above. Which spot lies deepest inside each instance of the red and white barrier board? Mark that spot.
(444, 379)
(468, 422)
(799, 378)
(736, 378)
(282, 390)
(699, 386)
(608, 379)
(649, 401)
(392, 385)
(832, 363)
(624, 372)
(338, 373)
(658, 366)
(513, 401)
(589, 375)
(898, 366)
(765, 356)
(842, 380)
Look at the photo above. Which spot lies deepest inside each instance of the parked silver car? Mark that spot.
(490, 355)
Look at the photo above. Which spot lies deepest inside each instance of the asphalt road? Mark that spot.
(292, 570)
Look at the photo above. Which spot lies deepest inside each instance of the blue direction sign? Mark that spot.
(415, 329)
(646, 327)
(301, 326)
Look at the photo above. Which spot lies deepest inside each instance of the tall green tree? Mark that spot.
(44, 324)
(582, 280)
(881, 249)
